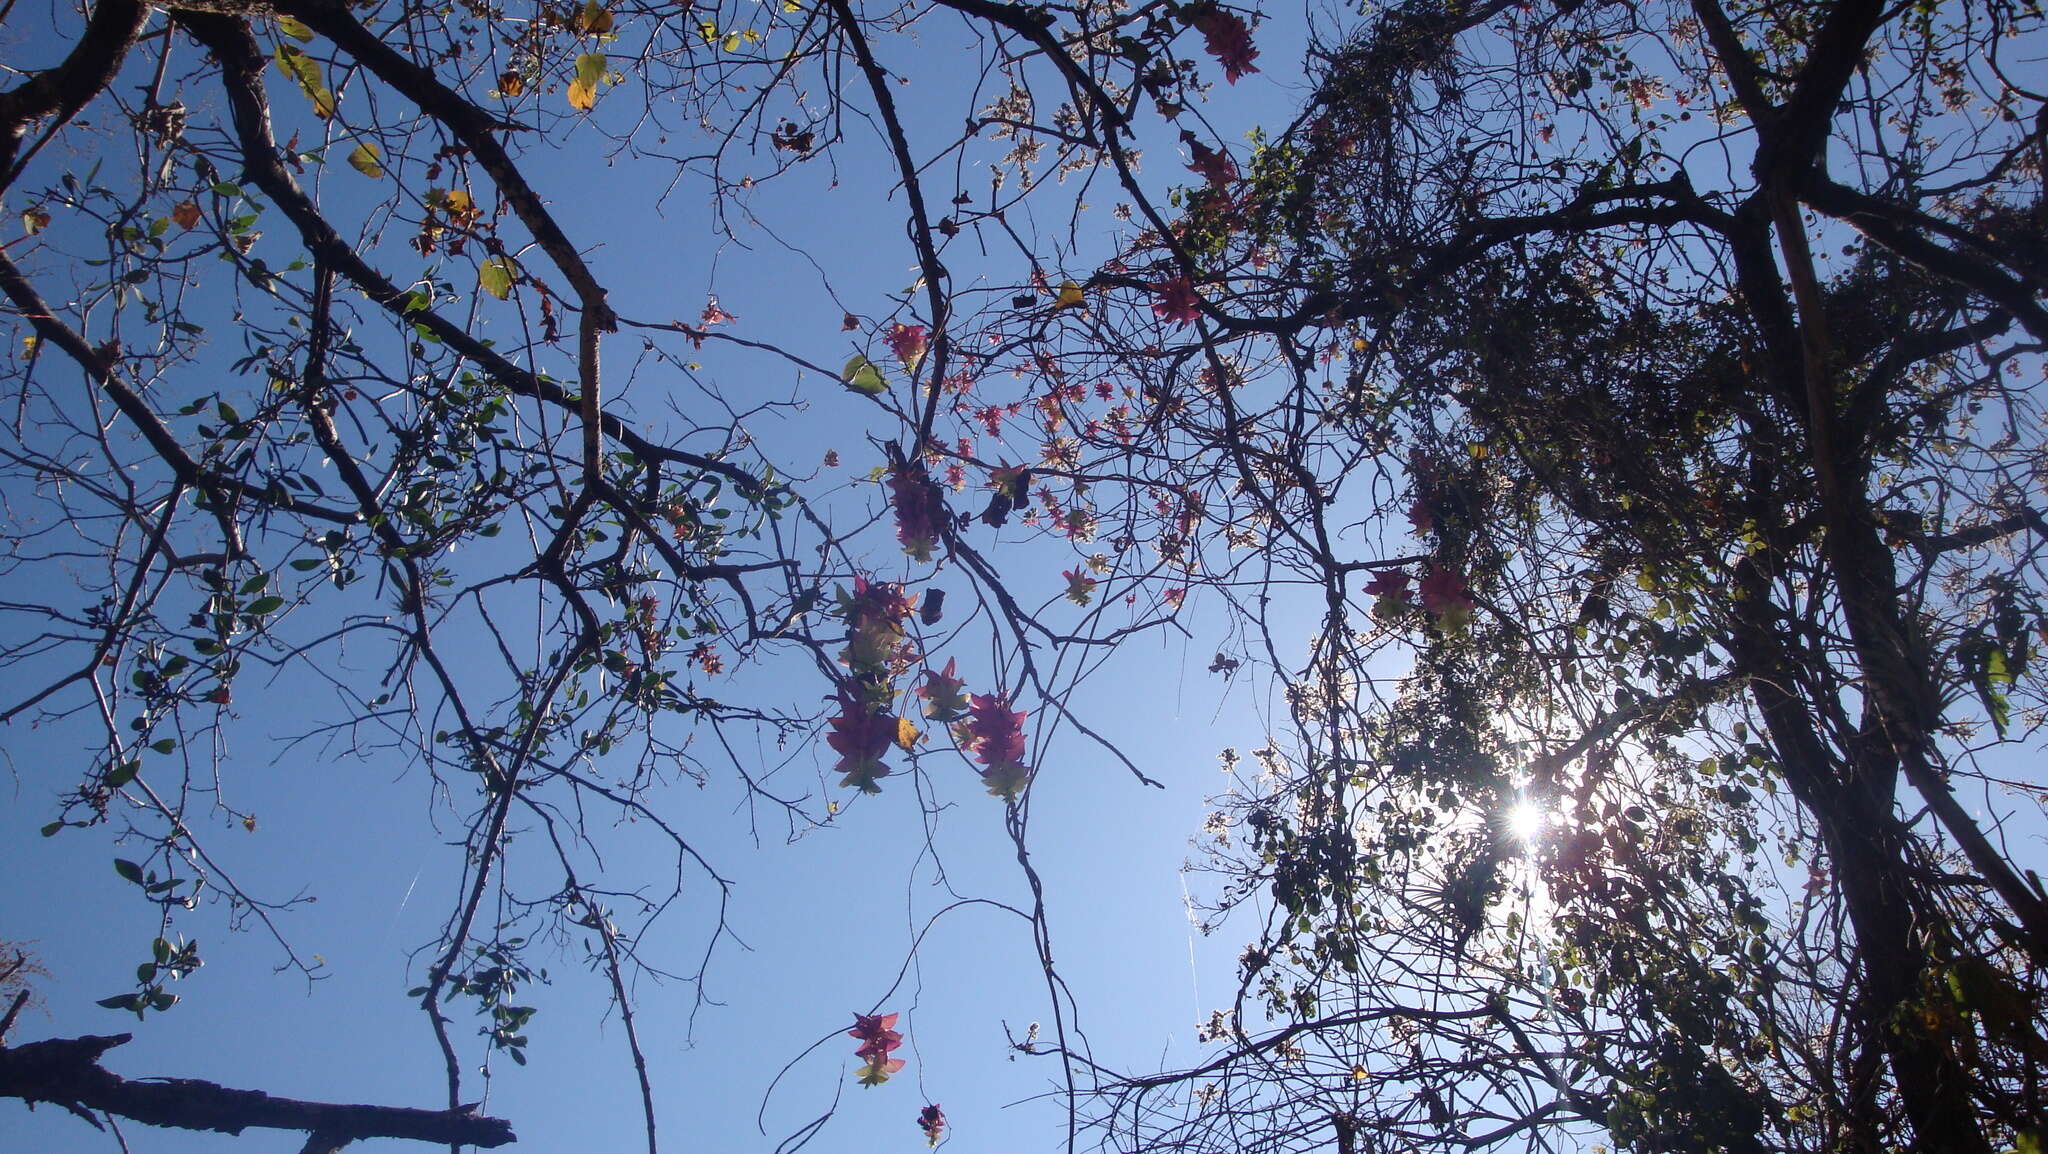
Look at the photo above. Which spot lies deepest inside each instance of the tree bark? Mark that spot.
(66, 1072)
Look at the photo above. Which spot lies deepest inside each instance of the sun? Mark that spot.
(1526, 820)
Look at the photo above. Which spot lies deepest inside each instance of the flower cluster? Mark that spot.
(932, 1121)
(878, 1036)
(1227, 38)
(875, 613)
(908, 342)
(945, 695)
(918, 509)
(1176, 301)
(995, 736)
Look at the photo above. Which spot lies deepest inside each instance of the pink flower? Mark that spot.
(878, 1037)
(1388, 583)
(908, 343)
(714, 315)
(917, 510)
(1444, 594)
(1228, 40)
(932, 1121)
(1178, 302)
(1080, 586)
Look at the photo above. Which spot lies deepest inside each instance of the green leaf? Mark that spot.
(164, 746)
(122, 774)
(306, 564)
(861, 375)
(129, 870)
(51, 829)
(367, 159)
(304, 71)
(264, 605)
(589, 72)
(119, 1002)
(495, 276)
(294, 29)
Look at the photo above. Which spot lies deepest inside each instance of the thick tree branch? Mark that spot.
(66, 1072)
(61, 91)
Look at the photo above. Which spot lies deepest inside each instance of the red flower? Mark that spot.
(1228, 40)
(1178, 302)
(917, 510)
(1211, 165)
(932, 1121)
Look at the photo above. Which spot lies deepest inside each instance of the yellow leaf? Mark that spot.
(1071, 296)
(732, 42)
(906, 735)
(593, 19)
(495, 276)
(583, 90)
(367, 159)
(708, 29)
(294, 29)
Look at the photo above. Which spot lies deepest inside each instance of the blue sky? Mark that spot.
(827, 920)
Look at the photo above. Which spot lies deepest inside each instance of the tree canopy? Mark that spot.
(1608, 429)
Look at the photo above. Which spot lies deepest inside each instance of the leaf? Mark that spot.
(906, 735)
(128, 870)
(304, 71)
(583, 90)
(122, 774)
(367, 159)
(294, 28)
(495, 276)
(861, 375)
(186, 214)
(264, 605)
(1071, 296)
(593, 19)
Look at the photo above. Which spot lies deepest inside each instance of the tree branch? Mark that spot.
(66, 1071)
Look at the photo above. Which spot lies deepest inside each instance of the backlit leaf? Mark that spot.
(367, 159)
(583, 90)
(304, 71)
(495, 276)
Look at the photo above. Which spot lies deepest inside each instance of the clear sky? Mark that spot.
(821, 925)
